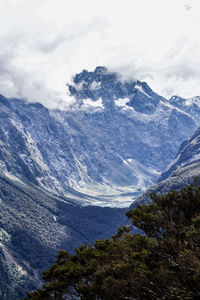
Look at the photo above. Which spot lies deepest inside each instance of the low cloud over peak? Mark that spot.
(44, 43)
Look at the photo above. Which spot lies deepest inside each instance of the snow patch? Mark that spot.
(13, 177)
(139, 87)
(95, 85)
(121, 102)
(88, 103)
(174, 108)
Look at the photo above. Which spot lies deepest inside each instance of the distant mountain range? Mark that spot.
(58, 167)
(105, 149)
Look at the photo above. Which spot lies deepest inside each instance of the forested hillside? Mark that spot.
(161, 262)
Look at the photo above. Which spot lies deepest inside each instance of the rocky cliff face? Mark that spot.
(105, 149)
(191, 105)
(183, 170)
(188, 154)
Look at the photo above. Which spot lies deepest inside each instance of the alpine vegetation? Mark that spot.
(161, 262)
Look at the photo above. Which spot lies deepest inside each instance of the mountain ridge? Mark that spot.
(182, 171)
(107, 153)
(59, 166)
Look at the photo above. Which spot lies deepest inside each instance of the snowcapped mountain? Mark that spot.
(105, 149)
(109, 92)
(109, 146)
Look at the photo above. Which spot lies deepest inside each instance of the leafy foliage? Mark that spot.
(163, 263)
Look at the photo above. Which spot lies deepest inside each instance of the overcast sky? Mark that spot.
(44, 42)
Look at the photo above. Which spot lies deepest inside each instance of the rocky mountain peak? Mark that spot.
(101, 84)
(106, 150)
(101, 70)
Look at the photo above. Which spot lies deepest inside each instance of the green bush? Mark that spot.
(162, 263)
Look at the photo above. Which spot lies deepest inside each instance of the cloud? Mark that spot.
(34, 61)
(43, 43)
(187, 7)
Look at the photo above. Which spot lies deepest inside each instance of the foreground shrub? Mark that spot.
(162, 263)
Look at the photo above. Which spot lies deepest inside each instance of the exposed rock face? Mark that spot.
(106, 149)
(183, 170)
(191, 105)
(188, 154)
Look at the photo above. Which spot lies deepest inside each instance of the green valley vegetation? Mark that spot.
(162, 261)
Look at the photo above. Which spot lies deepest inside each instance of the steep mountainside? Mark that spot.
(184, 169)
(105, 149)
(188, 154)
(191, 105)
(34, 224)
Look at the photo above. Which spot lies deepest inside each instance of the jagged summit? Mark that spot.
(104, 89)
(106, 151)
(107, 88)
(113, 144)
(100, 70)
(99, 74)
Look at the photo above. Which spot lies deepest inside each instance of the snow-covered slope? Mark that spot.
(109, 146)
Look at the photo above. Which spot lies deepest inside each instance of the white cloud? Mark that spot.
(187, 7)
(44, 42)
